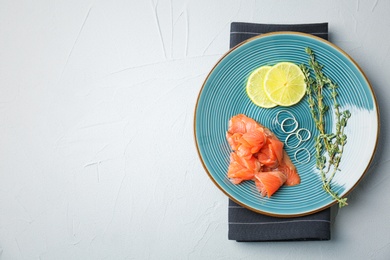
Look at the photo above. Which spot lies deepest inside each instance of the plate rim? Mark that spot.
(337, 49)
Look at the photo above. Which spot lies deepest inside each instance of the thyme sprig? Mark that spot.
(329, 146)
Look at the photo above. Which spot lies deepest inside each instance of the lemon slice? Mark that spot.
(255, 88)
(285, 84)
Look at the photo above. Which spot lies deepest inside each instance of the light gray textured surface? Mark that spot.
(97, 155)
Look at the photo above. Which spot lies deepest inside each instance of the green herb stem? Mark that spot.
(329, 146)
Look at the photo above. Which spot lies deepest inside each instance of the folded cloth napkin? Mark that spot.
(248, 226)
(240, 32)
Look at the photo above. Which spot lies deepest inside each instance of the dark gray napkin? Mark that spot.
(246, 225)
(240, 32)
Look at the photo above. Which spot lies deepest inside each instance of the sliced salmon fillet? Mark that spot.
(258, 155)
(241, 169)
(288, 168)
(233, 140)
(277, 148)
(255, 139)
(269, 182)
(245, 136)
(239, 124)
(267, 157)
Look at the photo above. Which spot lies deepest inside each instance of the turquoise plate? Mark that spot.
(223, 95)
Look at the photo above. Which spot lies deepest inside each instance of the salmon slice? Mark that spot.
(269, 182)
(254, 139)
(267, 157)
(233, 140)
(241, 169)
(244, 150)
(243, 124)
(277, 148)
(239, 145)
(288, 168)
(245, 136)
(258, 155)
(240, 123)
(285, 164)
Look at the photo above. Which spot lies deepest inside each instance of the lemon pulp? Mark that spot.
(255, 88)
(284, 84)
